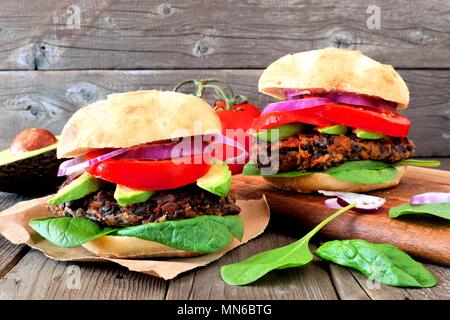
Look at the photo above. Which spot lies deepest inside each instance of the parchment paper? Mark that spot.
(14, 227)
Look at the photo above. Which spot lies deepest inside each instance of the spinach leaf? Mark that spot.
(251, 169)
(383, 263)
(359, 165)
(68, 232)
(419, 163)
(203, 234)
(364, 171)
(441, 210)
(366, 175)
(295, 254)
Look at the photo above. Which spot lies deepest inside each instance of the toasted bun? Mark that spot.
(321, 181)
(132, 248)
(337, 70)
(132, 118)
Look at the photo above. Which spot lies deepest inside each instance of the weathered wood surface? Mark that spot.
(28, 274)
(48, 98)
(216, 34)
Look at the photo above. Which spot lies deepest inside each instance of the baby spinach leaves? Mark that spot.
(383, 263)
(293, 255)
(69, 232)
(203, 234)
(363, 171)
(441, 210)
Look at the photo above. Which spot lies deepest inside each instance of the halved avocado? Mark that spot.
(30, 172)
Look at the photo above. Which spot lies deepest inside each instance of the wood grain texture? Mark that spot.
(217, 34)
(37, 277)
(347, 287)
(309, 282)
(350, 284)
(10, 254)
(48, 98)
(427, 238)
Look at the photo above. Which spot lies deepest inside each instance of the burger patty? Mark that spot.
(321, 151)
(181, 203)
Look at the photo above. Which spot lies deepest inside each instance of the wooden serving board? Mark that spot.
(427, 238)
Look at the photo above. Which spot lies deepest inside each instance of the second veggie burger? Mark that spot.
(141, 183)
(338, 126)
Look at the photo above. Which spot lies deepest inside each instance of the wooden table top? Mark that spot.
(28, 274)
(67, 54)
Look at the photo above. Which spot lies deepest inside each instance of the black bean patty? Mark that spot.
(181, 203)
(321, 151)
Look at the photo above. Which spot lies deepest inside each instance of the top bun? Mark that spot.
(337, 70)
(127, 119)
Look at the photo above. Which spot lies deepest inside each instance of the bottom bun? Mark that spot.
(133, 248)
(322, 181)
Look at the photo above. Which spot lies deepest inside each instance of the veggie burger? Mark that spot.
(142, 183)
(338, 126)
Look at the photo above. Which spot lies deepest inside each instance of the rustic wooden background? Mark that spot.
(49, 69)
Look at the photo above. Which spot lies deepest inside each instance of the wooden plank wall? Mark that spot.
(48, 70)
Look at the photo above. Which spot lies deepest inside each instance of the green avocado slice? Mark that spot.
(363, 134)
(31, 172)
(77, 189)
(126, 196)
(217, 180)
(284, 131)
(7, 157)
(337, 129)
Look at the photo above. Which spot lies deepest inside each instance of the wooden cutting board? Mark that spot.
(427, 238)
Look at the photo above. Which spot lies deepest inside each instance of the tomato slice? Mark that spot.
(371, 119)
(309, 115)
(149, 175)
(367, 118)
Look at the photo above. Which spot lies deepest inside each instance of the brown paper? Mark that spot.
(14, 227)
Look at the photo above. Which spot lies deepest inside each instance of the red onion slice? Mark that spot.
(332, 203)
(363, 202)
(77, 165)
(164, 151)
(358, 100)
(297, 104)
(221, 139)
(153, 152)
(431, 197)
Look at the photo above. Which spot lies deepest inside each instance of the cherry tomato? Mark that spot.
(238, 120)
(236, 117)
(149, 175)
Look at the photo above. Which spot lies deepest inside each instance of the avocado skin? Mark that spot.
(36, 175)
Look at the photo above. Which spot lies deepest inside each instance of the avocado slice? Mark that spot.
(217, 180)
(77, 189)
(337, 129)
(363, 134)
(126, 196)
(285, 130)
(30, 172)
